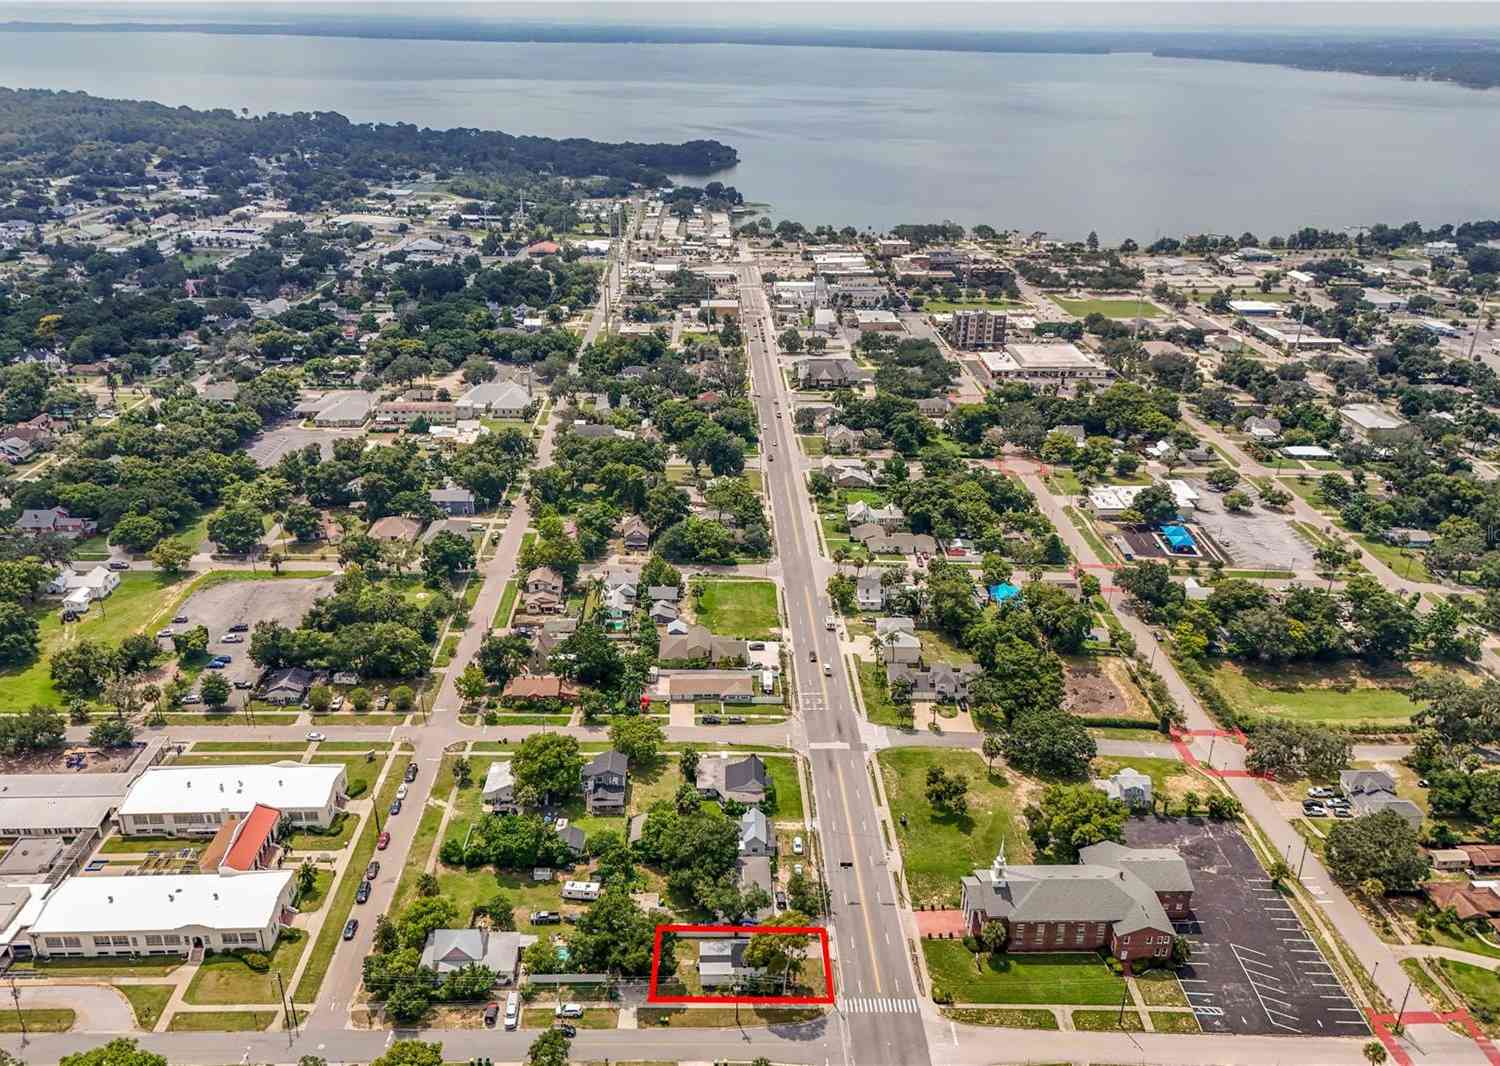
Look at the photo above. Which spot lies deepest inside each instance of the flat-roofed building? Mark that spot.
(169, 914)
(1293, 340)
(975, 330)
(1373, 423)
(197, 800)
(1063, 366)
(1252, 308)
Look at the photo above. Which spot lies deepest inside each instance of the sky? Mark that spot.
(924, 14)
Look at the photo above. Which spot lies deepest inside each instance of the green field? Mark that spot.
(39, 1020)
(132, 607)
(939, 849)
(1478, 986)
(1109, 308)
(745, 609)
(1020, 978)
(148, 1001)
(877, 698)
(225, 979)
(220, 1021)
(938, 307)
(1339, 693)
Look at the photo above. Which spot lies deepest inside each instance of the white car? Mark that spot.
(316, 736)
(797, 845)
(568, 1010)
(401, 792)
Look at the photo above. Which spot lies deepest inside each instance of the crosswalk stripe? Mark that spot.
(879, 1005)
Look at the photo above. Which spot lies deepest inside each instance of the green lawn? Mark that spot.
(100, 967)
(745, 609)
(148, 1001)
(1109, 308)
(225, 979)
(1019, 978)
(118, 845)
(938, 307)
(788, 789)
(337, 837)
(878, 706)
(39, 1020)
(812, 445)
(1017, 1018)
(1403, 562)
(220, 1021)
(132, 607)
(291, 747)
(343, 896)
(938, 849)
(1479, 987)
(1340, 693)
(506, 606)
(312, 902)
(1160, 988)
(1108, 1021)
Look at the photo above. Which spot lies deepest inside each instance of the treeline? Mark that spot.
(109, 143)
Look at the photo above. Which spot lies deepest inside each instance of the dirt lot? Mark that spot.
(283, 600)
(96, 761)
(1254, 540)
(1100, 687)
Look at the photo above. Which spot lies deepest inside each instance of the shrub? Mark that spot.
(357, 789)
(258, 961)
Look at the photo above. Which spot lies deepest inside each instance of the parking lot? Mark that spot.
(218, 607)
(270, 446)
(1254, 969)
(1253, 540)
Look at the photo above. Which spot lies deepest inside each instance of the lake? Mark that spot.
(1128, 145)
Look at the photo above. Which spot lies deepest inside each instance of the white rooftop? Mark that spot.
(1064, 356)
(1254, 307)
(165, 902)
(1371, 416)
(190, 789)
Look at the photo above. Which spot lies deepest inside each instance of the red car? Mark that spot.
(382, 841)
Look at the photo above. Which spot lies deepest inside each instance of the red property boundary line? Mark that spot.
(1382, 1023)
(653, 996)
(1186, 755)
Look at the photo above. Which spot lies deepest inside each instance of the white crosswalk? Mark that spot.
(878, 1005)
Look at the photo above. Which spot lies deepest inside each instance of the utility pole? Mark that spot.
(1402, 1012)
(1302, 861)
(15, 996)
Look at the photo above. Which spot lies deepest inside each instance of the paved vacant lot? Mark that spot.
(1254, 969)
(270, 446)
(218, 607)
(1254, 540)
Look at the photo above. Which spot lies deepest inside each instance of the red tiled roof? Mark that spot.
(256, 829)
(1466, 900)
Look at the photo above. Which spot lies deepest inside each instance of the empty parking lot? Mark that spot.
(1254, 968)
(268, 448)
(1253, 540)
(218, 607)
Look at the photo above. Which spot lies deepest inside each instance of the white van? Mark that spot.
(513, 1010)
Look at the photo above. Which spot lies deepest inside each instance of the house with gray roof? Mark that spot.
(756, 835)
(743, 780)
(697, 643)
(869, 593)
(604, 779)
(453, 500)
(1093, 905)
(1374, 791)
(1129, 786)
(935, 681)
(448, 950)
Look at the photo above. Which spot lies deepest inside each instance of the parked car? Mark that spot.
(165, 634)
(362, 893)
(242, 684)
(240, 627)
(118, 564)
(796, 845)
(350, 928)
(1343, 812)
(216, 664)
(512, 1010)
(383, 841)
(1319, 792)
(736, 719)
(711, 719)
(179, 619)
(372, 871)
(191, 698)
(411, 771)
(491, 1013)
(401, 791)
(381, 703)
(232, 638)
(780, 900)
(316, 736)
(545, 918)
(1314, 810)
(568, 1010)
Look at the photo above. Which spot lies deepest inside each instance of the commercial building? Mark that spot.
(1110, 501)
(876, 321)
(1118, 899)
(405, 412)
(1253, 308)
(974, 330)
(1294, 340)
(169, 914)
(1374, 424)
(197, 800)
(69, 804)
(347, 410)
(1374, 791)
(1062, 366)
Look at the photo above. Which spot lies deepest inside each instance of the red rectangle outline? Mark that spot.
(653, 996)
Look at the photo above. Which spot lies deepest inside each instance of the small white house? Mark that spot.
(1129, 786)
(96, 583)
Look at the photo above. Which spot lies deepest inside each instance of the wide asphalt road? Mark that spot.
(873, 962)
